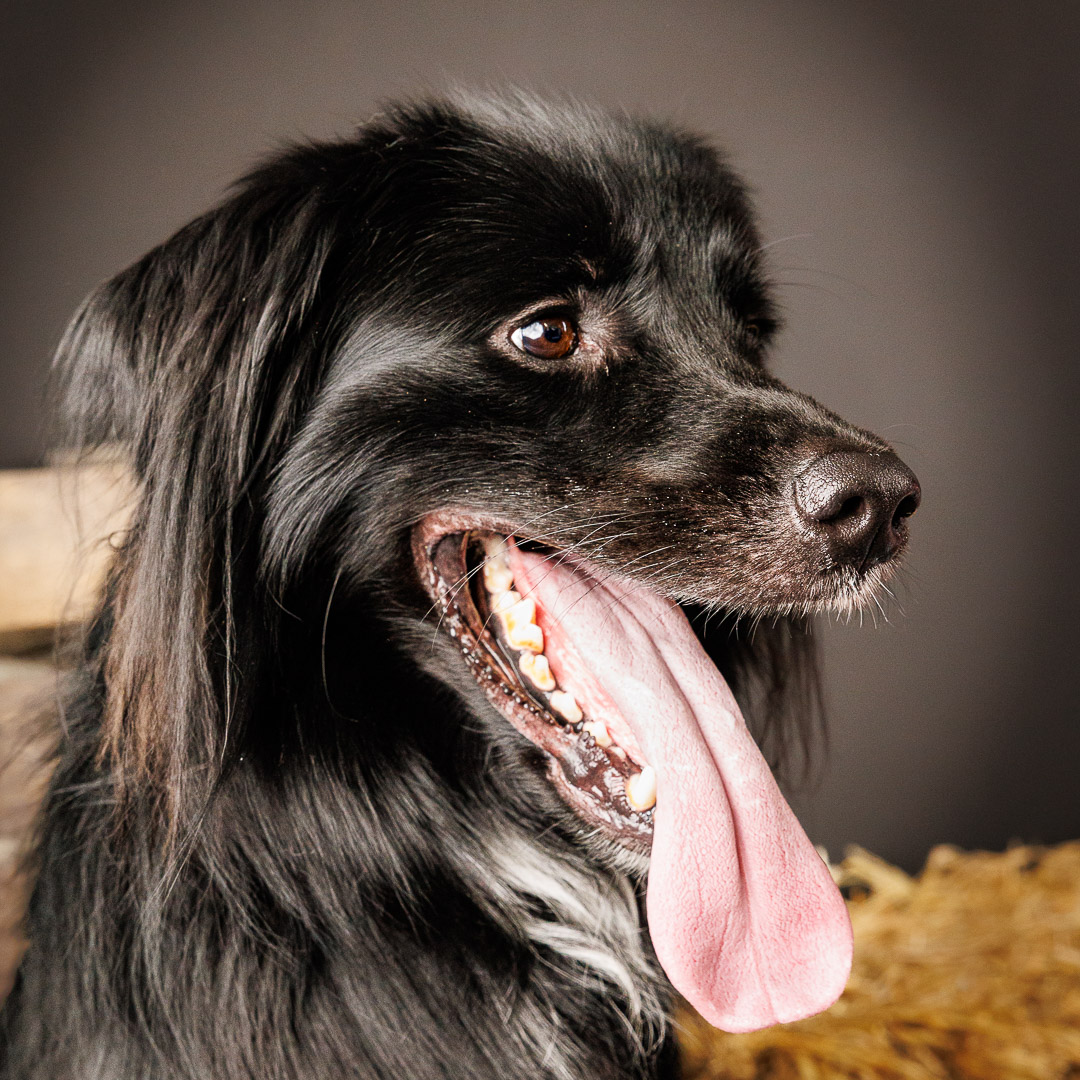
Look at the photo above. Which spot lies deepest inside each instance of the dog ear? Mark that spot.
(196, 359)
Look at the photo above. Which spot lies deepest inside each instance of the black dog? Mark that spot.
(343, 790)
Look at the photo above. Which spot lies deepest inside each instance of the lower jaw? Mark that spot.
(590, 778)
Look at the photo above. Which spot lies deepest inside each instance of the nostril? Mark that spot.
(908, 505)
(855, 502)
(849, 508)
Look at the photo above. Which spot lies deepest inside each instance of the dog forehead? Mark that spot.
(540, 198)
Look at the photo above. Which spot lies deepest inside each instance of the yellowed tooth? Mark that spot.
(505, 600)
(598, 730)
(535, 667)
(497, 576)
(495, 548)
(566, 706)
(523, 612)
(519, 622)
(526, 636)
(641, 789)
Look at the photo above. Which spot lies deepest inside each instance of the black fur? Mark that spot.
(287, 836)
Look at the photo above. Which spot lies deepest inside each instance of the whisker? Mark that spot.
(322, 645)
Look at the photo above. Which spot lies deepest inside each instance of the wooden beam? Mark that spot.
(57, 531)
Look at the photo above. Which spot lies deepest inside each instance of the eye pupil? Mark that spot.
(549, 339)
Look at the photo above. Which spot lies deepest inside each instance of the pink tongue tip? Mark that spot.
(742, 912)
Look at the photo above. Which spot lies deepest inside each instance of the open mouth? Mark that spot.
(645, 741)
(511, 644)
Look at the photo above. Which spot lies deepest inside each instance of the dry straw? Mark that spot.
(969, 972)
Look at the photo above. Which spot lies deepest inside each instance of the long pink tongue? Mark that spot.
(743, 913)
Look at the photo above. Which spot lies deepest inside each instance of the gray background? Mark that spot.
(916, 167)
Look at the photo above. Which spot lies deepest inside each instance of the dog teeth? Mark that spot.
(497, 577)
(518, 618)
(566, 706)
(519, 623)
(641, 789)
(527, 636)
(535, 667)
(496, 548)
(505, 600)
(598, 730)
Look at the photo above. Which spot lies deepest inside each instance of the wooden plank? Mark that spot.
(26, 688)
(57, 527)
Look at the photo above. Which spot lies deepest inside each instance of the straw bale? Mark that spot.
(971, 971)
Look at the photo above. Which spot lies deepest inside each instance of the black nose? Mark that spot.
(858, 502)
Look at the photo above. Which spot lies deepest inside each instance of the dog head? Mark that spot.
(399, 388)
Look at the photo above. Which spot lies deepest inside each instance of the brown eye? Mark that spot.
(549, 339)
(753, 333)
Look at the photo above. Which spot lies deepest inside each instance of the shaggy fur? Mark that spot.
(288, 837)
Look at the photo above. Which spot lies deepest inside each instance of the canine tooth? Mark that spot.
(598, 730)
(566, 706)
(497, 576)
(495, 548)
(641, 789)
(535, 667)
(519, 622)
(505, 600)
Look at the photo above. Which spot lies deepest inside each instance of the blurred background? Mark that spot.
(916, 166)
